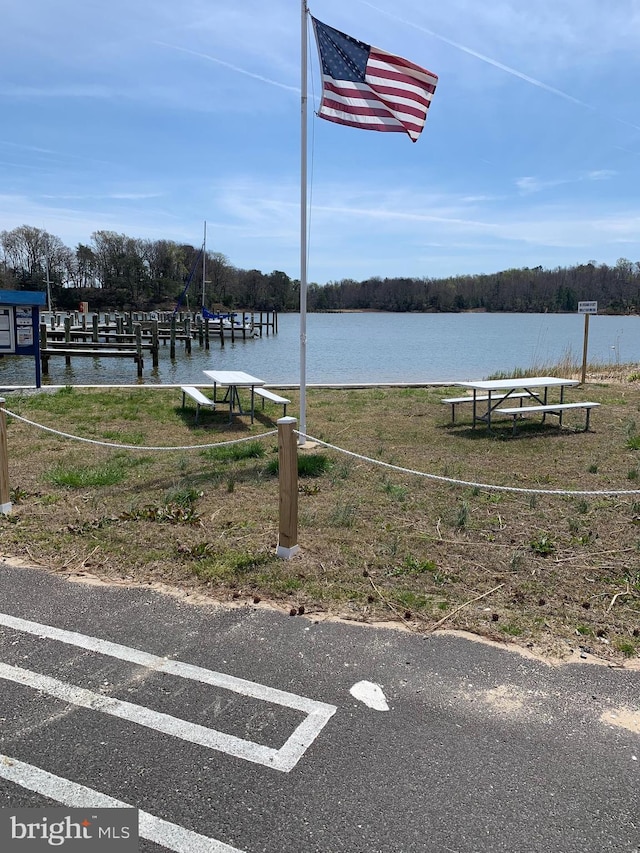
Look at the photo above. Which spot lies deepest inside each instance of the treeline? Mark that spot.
(615, 288)
(117, 272)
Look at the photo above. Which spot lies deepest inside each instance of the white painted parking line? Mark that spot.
(284, 758)
(141, 715)
(71, 794)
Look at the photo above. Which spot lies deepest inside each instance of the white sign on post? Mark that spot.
(586, 308)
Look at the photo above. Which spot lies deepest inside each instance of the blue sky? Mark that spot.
(151, 117)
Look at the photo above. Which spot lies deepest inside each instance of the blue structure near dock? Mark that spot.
(19, 324)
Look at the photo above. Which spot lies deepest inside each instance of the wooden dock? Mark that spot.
(73, 343)
(132, 334)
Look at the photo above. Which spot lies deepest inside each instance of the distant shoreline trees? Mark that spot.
(117, 272)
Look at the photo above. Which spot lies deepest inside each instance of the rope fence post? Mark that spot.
(288, 483)
(5, 502)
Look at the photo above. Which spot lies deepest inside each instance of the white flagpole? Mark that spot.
(204, 263)
(303, 230)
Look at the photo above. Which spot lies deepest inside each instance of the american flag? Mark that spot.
(365, 87)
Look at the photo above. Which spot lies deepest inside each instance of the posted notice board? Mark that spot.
(7, 330)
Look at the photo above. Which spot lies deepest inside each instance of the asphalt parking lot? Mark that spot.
(245, 730)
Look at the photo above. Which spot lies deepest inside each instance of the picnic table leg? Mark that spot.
(561, 401)
(545, 401)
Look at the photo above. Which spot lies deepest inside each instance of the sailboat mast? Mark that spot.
(49, 305)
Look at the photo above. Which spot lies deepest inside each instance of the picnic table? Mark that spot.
(492, 395)
(232, 380)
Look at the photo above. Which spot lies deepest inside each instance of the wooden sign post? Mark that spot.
(586, 308)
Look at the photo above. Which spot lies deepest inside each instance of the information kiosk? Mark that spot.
(19, 324)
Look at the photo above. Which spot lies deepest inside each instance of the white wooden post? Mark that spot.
(288, 482)
(5, 502)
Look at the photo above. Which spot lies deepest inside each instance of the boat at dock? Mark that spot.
(229, 324)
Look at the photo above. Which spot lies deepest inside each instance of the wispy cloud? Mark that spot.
(600, 174)
(134, 196)
(339, 212)
(49, 155)
(534, 185)
(123, 196)
(23, 147)
(75, 223)
(57, 91)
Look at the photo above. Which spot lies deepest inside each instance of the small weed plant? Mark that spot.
(542, 545)
(235, 452)
(86, 476)
(309, 465)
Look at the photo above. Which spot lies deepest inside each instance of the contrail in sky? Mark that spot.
(481, 56)
(229, 65)
(495, 63)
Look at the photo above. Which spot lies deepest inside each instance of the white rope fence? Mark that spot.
(388, 465)
(118, 446)
(287, 474)
(471, 483)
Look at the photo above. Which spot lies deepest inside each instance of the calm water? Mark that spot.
(352, 348)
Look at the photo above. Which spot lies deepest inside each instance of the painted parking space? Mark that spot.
(37, 780)
(317, 714)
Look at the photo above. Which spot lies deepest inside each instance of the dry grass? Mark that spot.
(551, 572)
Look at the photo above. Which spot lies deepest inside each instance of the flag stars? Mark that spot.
(341, 55)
